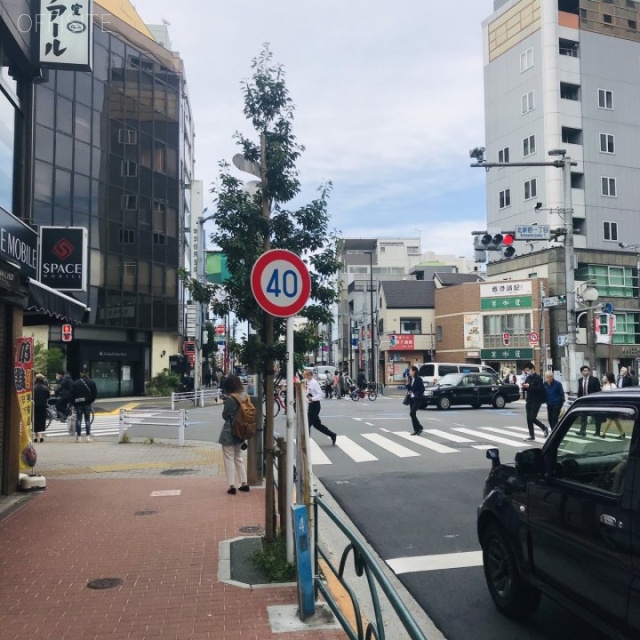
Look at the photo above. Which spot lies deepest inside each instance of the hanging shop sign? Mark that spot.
(18, 244)
(63, 258)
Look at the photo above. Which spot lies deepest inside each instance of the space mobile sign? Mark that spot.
(65, 31)
(63, 258)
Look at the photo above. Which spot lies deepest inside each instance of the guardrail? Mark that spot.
(365, 564)
(156, 418)
(197, 397)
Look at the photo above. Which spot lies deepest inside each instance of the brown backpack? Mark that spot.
(244, 421)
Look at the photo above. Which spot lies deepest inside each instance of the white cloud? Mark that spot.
(388, 95)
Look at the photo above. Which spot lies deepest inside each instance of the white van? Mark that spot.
(431, 372)
(319, 373)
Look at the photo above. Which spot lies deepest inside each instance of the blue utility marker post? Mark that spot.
(306, 602)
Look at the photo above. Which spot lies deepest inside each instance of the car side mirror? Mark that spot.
(494, 456)
(529, 462)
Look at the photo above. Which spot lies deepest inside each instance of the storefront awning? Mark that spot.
(43, 299)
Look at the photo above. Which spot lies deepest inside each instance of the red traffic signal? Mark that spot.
(506, 338)
(507, 239)
(67, 333)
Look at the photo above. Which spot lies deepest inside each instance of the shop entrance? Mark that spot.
(113, 378)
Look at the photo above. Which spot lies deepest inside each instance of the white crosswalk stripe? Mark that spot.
(425, 442)
(102, 426)
(390, 445)
(354, 450)
(483, 435)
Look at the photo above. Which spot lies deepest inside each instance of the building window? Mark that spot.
(568, 48)
(607, 18)
(517, 325)
(8, 113)
(627, 328)
(159, 238)
(129, 169)
(439, 333)
(611, 231)
(607, 143)
(528, 146)
(527, 102)
(530, 189)
(633, 25)
(609, 187)
(503, 155)
(617, 282)
(571, 136)
(129, 202)
(413, 251)
(410, 325)
(505, 198)
(569, 91)
(526, 60)
(127, 236)
(605, 99)
(127, 136)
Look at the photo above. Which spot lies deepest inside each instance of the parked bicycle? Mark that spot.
(279, 401)
(54, 414)
(370, 392)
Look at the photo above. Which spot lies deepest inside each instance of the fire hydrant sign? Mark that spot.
(280, 283)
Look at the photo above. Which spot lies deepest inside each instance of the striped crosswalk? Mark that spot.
(103, 425)
(372, 446)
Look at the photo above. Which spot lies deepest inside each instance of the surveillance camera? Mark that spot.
(621, 245)
(557, 152)
(477, 153)
(538, 206)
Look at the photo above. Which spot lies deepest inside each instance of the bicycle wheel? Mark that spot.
(372, 395)
(355, 396)
(276, 407)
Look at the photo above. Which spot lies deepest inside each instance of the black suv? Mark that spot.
(564, 521)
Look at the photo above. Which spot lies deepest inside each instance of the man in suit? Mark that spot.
(536, 396)
(587, 385)
(624, 379)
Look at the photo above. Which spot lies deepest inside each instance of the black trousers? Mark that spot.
(532, 408)
(314, 419)
(553, 413)
(415, 423)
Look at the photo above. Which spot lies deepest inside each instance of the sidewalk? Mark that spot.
(98, 519)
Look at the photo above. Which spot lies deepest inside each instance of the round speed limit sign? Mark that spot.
(280, 283)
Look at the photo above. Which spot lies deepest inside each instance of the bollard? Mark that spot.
(181, 427)
(121, 425)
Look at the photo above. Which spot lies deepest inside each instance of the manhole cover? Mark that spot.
(252, 529)
(177, 472)
(105, 583)
(145, 512)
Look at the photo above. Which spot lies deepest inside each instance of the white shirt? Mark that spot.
(313, 388)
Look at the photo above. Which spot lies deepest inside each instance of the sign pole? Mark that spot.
(290, 432)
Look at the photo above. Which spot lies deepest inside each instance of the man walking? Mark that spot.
(536, 396)
(314, 395)
(555, 398)
(624, 379)
(84, 394)
(587, 385)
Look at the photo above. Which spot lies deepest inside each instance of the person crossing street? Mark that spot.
(314, 395)
(536, 397)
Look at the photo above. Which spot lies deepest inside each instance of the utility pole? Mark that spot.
(565, 163)
(372, 333)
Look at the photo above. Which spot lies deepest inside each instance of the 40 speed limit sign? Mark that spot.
(280, 283)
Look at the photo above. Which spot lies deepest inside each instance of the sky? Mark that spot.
(388, 96)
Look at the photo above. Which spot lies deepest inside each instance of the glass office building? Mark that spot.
(113, 153)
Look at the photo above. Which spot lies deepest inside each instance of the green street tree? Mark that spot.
(248, 224)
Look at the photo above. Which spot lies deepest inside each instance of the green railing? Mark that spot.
(364, 564)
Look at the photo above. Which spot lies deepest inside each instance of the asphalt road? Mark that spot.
(414, 500)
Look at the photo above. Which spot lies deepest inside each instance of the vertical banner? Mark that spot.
(23, 379)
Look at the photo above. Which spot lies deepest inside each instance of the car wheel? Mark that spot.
(511, 594)
(444, 403)
(499, 402)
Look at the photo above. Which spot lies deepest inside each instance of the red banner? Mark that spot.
(401, 342)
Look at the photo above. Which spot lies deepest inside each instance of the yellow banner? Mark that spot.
(23, 378)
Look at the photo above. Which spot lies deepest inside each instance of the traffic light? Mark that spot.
(502, 242)
(506, 339)
(67, 333)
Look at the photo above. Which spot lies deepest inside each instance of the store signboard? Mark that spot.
(64, 258)
(500, 304)
(506, 288)
(505, 353)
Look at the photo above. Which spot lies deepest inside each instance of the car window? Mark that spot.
(426, 370)
(483, 378)
(468, 381)
(591, 460)
(451, 379)
(469, 369)
(444, 369)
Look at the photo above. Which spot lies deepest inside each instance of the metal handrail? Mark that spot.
(364, 563)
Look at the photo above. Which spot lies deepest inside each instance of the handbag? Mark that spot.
(407, 399)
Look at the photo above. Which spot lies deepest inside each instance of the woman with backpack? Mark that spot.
(232, 446)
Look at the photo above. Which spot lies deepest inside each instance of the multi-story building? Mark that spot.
(562, 75)
(114, 155)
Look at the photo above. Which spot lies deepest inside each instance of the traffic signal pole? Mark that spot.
(565, 163)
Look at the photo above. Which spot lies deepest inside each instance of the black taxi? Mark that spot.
(564, 520)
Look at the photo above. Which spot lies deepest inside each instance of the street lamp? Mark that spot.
(373, 367)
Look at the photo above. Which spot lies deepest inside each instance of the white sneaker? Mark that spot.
(78, 439)
(88, 438)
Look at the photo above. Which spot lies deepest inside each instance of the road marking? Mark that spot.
(167, 492)
(448, 436)
(390, 446)
(436, 563)
(370, 424)
(423, 442)
(318, 456)
(353, 450)
(483, 435)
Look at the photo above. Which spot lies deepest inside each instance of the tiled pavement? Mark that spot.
(97, 519)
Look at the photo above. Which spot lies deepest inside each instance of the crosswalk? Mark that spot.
(103, 425)
(371, 446)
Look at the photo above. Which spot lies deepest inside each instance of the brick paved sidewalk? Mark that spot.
(97, 519)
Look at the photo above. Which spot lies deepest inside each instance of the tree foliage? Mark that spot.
(241, 226)
(47, 361)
